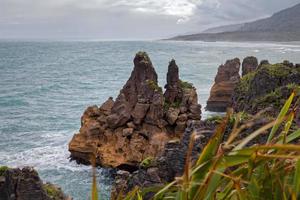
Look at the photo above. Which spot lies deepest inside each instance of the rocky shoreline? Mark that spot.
(170, 163)
(144, 133)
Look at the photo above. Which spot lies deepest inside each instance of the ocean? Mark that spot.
(46, 86)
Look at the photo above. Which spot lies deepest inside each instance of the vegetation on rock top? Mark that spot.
(3, 170)
(154, 86)
(185, 85)
(268, 86)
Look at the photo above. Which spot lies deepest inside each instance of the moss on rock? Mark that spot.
(154, 86)
(269, 86)
(147, 162)
(185, 85)
(54, 192)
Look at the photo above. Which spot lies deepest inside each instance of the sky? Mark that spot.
(125, 19)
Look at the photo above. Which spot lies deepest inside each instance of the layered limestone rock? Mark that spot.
(225, 81)
(249, 64)
(25, 184)
(181, 101)
(139, 122)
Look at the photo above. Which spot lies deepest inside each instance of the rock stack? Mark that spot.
(225, 82)
(249, 64)
(141, 120)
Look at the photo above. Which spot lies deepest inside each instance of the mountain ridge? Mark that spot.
(281, 26)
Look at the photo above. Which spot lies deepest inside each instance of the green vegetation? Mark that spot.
(154, 86)
(278, 70)
(276, 97)
(215, 119)
(248, 96)
(185, 85)
(52, 191)
(147, 162)
(233, 170)
(245, 82)
(168, 105)
(3, 170)
(241, 117)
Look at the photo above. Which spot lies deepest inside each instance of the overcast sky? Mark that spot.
(125, 19)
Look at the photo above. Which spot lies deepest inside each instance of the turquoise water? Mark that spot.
(46, 86)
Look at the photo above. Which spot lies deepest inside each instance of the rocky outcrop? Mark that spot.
(249, 64)
(170, 164)
(141, 120)
(225, 82)
(164, 168)
(25, 184)
(269, 86)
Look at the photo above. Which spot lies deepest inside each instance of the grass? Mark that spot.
(232, 170)
(185, 85)
(3, 170)
(154, 86)
(168, 105)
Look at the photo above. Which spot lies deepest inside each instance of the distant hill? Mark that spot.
(226, 28)
(281, 26)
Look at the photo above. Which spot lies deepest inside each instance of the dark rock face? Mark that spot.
(249, 64)
(173, 91)
(25, 184)
(136, 95)
(139, 123)
(225, 82)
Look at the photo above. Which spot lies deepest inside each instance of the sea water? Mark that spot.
(46, 86)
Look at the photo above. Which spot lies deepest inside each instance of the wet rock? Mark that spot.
(249, 64)
(225, 82)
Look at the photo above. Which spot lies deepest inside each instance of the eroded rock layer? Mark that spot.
(141, 120)
(25, 184)
(225, 82)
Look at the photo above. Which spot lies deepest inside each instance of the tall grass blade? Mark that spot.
(94, 184)
(281, 115)
(296, 182)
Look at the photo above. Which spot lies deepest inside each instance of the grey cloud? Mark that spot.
(125, 19)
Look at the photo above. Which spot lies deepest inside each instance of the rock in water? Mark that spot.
(25, 184)
(139, 123)
(225, 82)
(249, 64)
